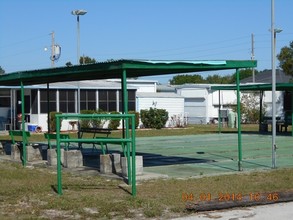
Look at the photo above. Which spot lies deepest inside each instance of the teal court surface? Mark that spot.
(209, 154)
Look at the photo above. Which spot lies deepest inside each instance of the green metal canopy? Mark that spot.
(253, 86)
(114, 69)
(117, 69)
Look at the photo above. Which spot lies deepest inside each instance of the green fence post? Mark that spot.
(24, 138)
(239, 122)
(133, 156)
(219, 114)
(59, 174)
(125, 110)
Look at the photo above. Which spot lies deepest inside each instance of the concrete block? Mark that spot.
(52, 157)
(139, 165)
(73, 159)
(15, 152)
(116, 163)
(105, 164)
(2, 150)
(34, 153)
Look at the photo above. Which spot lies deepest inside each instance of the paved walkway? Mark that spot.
(278, 211)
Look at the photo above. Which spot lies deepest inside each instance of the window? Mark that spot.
(107, 100)
(5, 98)
(67, 101)
(44, 100)
(34, 101)
(88, 100)
(131, 101)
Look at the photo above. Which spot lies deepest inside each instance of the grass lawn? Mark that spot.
(29, 193)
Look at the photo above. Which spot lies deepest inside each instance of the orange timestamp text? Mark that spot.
(224, 197)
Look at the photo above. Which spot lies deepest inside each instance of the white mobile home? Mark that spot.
(202, 104)
(172, 102)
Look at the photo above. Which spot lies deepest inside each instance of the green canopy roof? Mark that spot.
(114, 69)
(259, 87)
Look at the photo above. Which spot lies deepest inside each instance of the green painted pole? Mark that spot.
(292, 113)
(133, 156)
(24, 140)
(59, 174)
(239, 122)
(125, 110)
(220, 118)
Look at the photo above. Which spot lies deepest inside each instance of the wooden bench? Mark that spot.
(94, 131)
(15, 133)
(103, 142)
(33, 151)
(51, 136)
(280, 124)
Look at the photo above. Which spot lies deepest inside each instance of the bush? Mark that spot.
(136, 118)
(91, 123)
(52, 120)
(114, 122)
(154, 118)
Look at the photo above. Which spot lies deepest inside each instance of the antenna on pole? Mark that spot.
(252, 56)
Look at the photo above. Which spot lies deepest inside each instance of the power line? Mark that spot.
(23, 41)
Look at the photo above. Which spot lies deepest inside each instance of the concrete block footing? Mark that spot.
(139, 165)
(105, 164)
(33, 153)
(73, 159)
(52, 157)
(116, 163)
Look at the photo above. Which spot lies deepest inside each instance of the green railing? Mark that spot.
(128, 139)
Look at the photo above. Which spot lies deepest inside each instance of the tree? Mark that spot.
(182, 79)
(68, 64)
(250, 107)
(244, 73)
(86, 60)
(217, 79)
(286, 59)
(2, 71)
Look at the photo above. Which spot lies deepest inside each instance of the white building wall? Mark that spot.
(174, 106)
(195, 104)
(267, 98)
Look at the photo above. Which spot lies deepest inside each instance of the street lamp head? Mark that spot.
(276, 30)
(79, 12)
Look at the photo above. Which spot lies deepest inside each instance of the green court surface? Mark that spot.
(209, 154)
(196, 155)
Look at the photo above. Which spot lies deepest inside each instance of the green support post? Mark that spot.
(219, 114)
(24, 140)
(291, 113)
(133, 150)
(239, 122)
(125, 110)
(59, 174)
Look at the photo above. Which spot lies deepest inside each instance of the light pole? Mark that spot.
(78, 13)
(273, 38)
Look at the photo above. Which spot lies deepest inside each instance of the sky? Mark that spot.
(141, 29)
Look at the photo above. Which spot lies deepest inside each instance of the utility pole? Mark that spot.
(53, 49)
(252, 56)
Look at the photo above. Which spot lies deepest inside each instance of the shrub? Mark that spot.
(98, 122)
(91, 123)
(154, 118)
(85, 123)
(52, 120)
(136, 118)
(114, 122)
